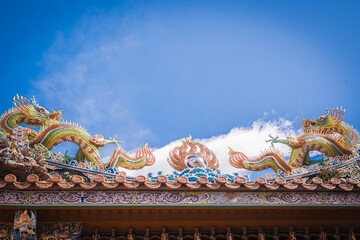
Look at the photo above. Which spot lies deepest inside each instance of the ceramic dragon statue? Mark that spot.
(328, 135)
(53, 132)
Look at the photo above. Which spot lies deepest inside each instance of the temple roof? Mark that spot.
(99, 183)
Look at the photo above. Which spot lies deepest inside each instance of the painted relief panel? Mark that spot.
(25, 225)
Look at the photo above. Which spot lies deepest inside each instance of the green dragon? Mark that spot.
(53, 132)
(328, 135)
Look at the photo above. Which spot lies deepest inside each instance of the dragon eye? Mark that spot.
(41, 109)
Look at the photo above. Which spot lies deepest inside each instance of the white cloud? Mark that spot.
(272, 112)
(249, 140)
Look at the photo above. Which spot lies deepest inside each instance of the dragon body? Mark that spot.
(143, 156)
(55, 134)
(328, 135)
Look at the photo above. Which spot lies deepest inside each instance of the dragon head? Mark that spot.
(35, 113)
(325, 121)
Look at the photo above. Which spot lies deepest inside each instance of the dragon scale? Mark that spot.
(55, 134)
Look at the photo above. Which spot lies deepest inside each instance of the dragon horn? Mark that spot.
(21, 99)
(341, 116)
(339, 113)
(332, 112)
(27, 101)
(17, 104)
(336, 113)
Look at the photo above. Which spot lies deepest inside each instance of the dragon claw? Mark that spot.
(272, 139)
(114, 140)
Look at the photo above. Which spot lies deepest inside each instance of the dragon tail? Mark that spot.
(270, 158)
(144, 157)
(146, 153)
(236, 159)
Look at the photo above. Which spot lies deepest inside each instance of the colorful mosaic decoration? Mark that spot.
(28, 132)
(70, 231)
(25, 224)
(193, 174)
(78, 198)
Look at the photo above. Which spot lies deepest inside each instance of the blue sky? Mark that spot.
(157, 71)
